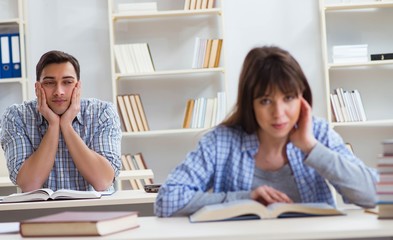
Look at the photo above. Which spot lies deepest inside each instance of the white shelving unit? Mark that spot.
(170, 33)
(12, 20)
(352, 23)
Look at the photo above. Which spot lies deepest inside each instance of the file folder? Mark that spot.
(5, 56)
(15, 55)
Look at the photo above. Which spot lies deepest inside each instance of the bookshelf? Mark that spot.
(360, 22)
(12, 20)
(170, 33)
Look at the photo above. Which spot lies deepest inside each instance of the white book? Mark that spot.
(44, 194)
(339, 92)
(360, 104)
(121, 65)
(196, 53)
(209, 113)
(336, 107)
(194, 121)
(132, 57)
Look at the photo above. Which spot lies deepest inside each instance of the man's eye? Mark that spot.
(49, 83)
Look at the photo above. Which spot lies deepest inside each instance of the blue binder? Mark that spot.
(5, 56)
(15, 55)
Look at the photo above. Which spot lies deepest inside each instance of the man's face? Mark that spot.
(58, 81)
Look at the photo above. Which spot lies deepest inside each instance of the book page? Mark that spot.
(74, 194)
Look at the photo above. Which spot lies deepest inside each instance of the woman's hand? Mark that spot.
(267, 195)
(302, 135)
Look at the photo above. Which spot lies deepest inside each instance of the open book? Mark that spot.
(43, 194)
(250, 209)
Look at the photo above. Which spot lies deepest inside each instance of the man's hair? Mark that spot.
(56, 57)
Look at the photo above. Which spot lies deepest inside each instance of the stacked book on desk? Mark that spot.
(385, 184)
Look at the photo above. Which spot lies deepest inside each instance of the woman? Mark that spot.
(270, 149)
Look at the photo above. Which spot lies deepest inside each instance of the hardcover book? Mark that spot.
(44, 194)
(250, 209)
(79, 224)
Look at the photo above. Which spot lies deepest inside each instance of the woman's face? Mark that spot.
(277, 113)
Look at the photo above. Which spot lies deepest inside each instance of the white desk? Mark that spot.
(355, 225)
(121, 200)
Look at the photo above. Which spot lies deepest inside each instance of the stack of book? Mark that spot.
(132, 113)
(347, 106)
(207, 53)
(133, 58)
(135, 162)
(385, 184)
(198, 4)
(205, 112)
(350, 53)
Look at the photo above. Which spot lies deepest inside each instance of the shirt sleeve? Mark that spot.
(194, 174)
(15, 142)
(348, 174)
(107, 137)
(201, 199)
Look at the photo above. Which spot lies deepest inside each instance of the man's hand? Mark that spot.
(74, 108)
(267, 195)
(43, 107)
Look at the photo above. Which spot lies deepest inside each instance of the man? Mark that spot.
(60, 140)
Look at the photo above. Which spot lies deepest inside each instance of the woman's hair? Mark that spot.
(56, 57)
(264, 70)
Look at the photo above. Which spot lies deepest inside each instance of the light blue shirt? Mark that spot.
(23, 128)
(223, 162)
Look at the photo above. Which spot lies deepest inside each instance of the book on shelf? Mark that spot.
(134, 162)
(198, 4)
(350, 53)
(133, 58)
(132, 113)
(44, 194)
(126, 166)
(207, 53)
(204, 112)
(250, 209)
(73, 223)
(123, 114)
(347, 106)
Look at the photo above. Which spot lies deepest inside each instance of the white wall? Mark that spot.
(81, 28)
(77, 27)
(293, 25)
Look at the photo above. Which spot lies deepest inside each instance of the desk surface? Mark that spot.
(356, 224)
(118, 198)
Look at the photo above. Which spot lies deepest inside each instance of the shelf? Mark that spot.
(11, 80)
(155, 133)
(360, 64)
(374, 123)
(170, 72)
(135, 174)
(9, 21)
(175, 13)
(353, 6)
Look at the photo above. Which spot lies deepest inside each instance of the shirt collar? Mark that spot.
(250, 141)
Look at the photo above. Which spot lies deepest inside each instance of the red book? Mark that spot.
(79, 224)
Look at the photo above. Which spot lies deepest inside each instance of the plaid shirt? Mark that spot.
(224, 162)
(23, 128)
